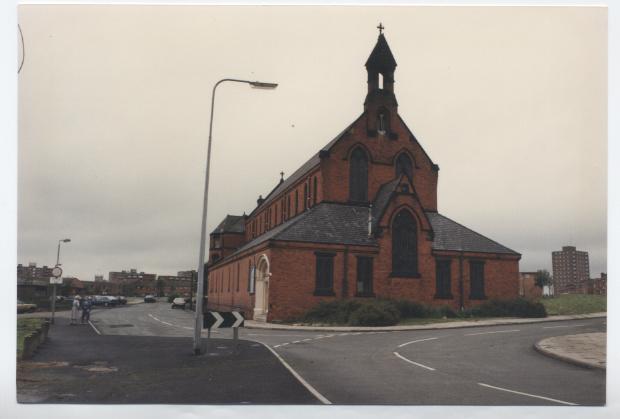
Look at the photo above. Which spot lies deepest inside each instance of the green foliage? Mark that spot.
(25, 327)
(575, 304)
(332, 312)
(377, 313)
(172, 297)
(518, 307)
(543, 277)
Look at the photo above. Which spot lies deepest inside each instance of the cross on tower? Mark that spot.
(381, 28)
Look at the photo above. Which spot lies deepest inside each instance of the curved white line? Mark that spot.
(415, 341)
(529, 395)
(311, 389)
(411, 362)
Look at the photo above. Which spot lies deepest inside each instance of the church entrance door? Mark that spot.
(261, 299)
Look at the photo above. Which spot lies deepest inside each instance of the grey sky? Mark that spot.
(114, 104)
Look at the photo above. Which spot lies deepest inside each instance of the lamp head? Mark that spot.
(65, 240)
(263, 85)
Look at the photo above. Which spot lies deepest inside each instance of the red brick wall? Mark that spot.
(383, 152)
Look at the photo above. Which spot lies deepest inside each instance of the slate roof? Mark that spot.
(381, 56)
(333, 223)
(450, 235)
(231, 224)
(303, 170)
(382, 200)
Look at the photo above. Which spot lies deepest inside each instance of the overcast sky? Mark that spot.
(114, 105)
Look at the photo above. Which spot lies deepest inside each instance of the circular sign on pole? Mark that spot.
(57, 272)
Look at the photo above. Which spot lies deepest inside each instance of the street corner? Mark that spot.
(586, 349)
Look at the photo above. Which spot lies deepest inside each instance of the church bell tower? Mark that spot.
(380, 105)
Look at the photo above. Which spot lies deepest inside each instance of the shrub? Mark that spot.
(411, 309)
(518, 307)
(171, 297)
(378, 313)
(337, 311)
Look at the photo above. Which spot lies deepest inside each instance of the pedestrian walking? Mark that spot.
(75, 308)
(86, 306)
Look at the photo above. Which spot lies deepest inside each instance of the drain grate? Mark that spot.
(116, 326)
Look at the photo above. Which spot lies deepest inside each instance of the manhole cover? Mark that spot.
(116, 326)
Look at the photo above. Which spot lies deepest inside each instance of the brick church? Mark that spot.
(359, 219)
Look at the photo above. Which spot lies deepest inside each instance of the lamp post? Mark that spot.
(54, 287)
(203, 233)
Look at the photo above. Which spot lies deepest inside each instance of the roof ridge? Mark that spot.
(475, 232)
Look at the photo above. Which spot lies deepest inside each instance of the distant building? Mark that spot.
(527, 286)
(571, 268)
(71, 286)
(175, 285)
(599, 285)
(33, 272)
(130, 276)
(33, 282)
(99, 278)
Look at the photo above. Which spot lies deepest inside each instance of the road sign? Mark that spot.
(57, 271)
(222, 319)
(54, 280)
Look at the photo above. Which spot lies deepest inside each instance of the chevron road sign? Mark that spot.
(222, 319)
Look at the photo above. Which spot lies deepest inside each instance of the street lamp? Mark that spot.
(203, 232)
(54, 287)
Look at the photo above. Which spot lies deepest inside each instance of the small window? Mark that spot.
(404, 166)
(324, 274)
(442, 280)
(305, 196)
(364, 276)
(237, 276)
(314, 198)
(358, 176)
(383, 121)
(296, 201)
(476, 279)
(251, 278)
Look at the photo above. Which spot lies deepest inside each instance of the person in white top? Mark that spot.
(75, 308)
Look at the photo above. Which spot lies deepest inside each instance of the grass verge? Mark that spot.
(574, 304)
(24, 328)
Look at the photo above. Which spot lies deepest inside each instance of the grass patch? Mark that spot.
(575, 304)
(24, 328)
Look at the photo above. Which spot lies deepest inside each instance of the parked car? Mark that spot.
(25, 307)
(149, 299)
(179, 302)
(105, 300)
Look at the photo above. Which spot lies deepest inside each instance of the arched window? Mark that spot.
(383, 121)
(404, 245)
(314, 195)
(358, 176)
(404, 166)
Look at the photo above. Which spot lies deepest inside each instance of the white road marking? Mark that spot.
(411, 362)
(93, 326)
(555, 327)
(529, 395)
(306, 340)
(166, 323)
(284, 344)
(188, 328)
(415, 341)
(296, 341)
(488, 333)
(311, 389)
(280, 336)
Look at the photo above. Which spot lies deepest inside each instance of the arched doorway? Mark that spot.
(261, 297)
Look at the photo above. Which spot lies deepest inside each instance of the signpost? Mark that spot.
(55, 279)
(222, 320)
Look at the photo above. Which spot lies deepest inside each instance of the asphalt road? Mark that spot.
(468, 366)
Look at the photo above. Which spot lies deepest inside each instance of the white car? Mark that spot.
(179, 302)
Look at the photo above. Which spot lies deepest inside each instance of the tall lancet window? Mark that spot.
(404, 245)
(358, 176)
(404, 166)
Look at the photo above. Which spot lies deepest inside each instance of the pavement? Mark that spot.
(584, 349)
(77, 365)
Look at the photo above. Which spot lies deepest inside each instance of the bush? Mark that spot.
(518, 307)
(379, 313)
(172, 297)
(332, 312)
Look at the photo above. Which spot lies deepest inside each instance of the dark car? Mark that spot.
(105, 300)
(149, 299)
(121, 299)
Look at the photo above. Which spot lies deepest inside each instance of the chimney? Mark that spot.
(260, 200)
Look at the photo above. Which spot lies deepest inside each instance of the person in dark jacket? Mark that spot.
(87, 304)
